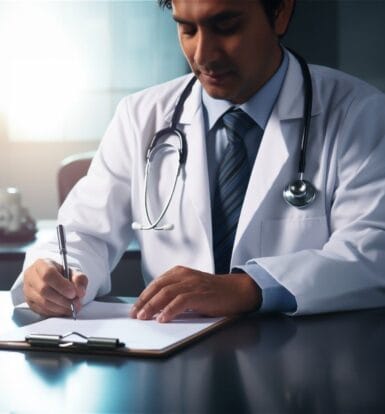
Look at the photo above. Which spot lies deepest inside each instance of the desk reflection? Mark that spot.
(330, 364)
(267, 364)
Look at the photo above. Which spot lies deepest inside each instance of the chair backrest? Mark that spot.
(71, 170)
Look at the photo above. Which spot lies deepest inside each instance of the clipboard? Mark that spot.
(76, 342)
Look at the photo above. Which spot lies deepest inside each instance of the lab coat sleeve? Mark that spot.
(349, 271)
(275, 298)
(96, 214)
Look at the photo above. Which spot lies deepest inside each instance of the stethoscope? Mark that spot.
(299, 193)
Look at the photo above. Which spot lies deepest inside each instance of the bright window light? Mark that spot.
(66, 64)
(43, 92)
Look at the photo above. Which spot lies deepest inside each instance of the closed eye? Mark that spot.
(187, 29)
(228, 27)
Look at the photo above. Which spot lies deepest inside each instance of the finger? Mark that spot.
(173, 276)
(52, 309)
(45, 307)
(176, 307)
(80, 282)
(46, 297)
(45, 292)
(148, 293)
(50, 300)
(51, 277)
(159, 301)
(37, 290)
(77, 304)
(37, 309)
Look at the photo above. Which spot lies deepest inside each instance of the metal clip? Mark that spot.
(47, 340)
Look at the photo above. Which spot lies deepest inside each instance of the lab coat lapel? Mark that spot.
(196, 178)
(272, 155)
(274, 149)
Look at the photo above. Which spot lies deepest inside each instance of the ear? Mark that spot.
(283, 16)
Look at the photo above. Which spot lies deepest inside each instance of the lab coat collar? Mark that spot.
(292, 92)
(191, 105)
(287, 103)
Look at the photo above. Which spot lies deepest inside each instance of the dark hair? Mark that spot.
(271, 7)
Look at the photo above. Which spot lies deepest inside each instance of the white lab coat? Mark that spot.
(330, 256)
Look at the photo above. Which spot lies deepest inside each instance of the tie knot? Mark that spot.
(237, 123)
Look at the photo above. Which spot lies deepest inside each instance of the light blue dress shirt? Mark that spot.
(259, 107)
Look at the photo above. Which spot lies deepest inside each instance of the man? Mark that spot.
(266, 254)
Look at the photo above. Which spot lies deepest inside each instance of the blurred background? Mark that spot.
(64, 65)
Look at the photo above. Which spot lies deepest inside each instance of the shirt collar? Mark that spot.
(258, 107)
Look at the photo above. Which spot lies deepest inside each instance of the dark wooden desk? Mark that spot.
(259, 364)
(126, 277)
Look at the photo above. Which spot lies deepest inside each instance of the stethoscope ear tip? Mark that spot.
(166, 227)
(136, 226)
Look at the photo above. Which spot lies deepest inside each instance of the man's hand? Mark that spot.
(182, 288)
(48, 293)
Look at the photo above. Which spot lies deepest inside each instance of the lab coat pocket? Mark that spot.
(282, 236)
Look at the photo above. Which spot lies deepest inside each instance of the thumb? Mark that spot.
(80, 282)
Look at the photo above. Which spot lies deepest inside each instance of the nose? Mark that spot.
(207, 50)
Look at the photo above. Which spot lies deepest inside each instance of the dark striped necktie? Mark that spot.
(232, 179)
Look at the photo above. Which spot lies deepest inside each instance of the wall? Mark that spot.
(112, 42)
(343, 34)
(361, 41)
(32, 168)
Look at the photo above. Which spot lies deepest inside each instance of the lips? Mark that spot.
(215, 77)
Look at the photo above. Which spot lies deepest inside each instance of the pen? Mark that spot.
(63, 252)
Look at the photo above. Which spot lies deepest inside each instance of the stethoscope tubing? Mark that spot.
(299, 193)
(154, 225)
(308, 106)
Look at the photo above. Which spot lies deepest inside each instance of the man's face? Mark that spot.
(230, 44)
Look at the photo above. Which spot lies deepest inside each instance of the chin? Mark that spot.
(218, 93)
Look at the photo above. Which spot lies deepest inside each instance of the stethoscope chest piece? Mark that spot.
(299, 193)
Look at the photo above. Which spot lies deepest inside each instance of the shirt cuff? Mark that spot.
(275, 297)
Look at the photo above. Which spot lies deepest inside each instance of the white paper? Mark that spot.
(112, 320)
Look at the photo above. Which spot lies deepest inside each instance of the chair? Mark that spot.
(71, 169)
